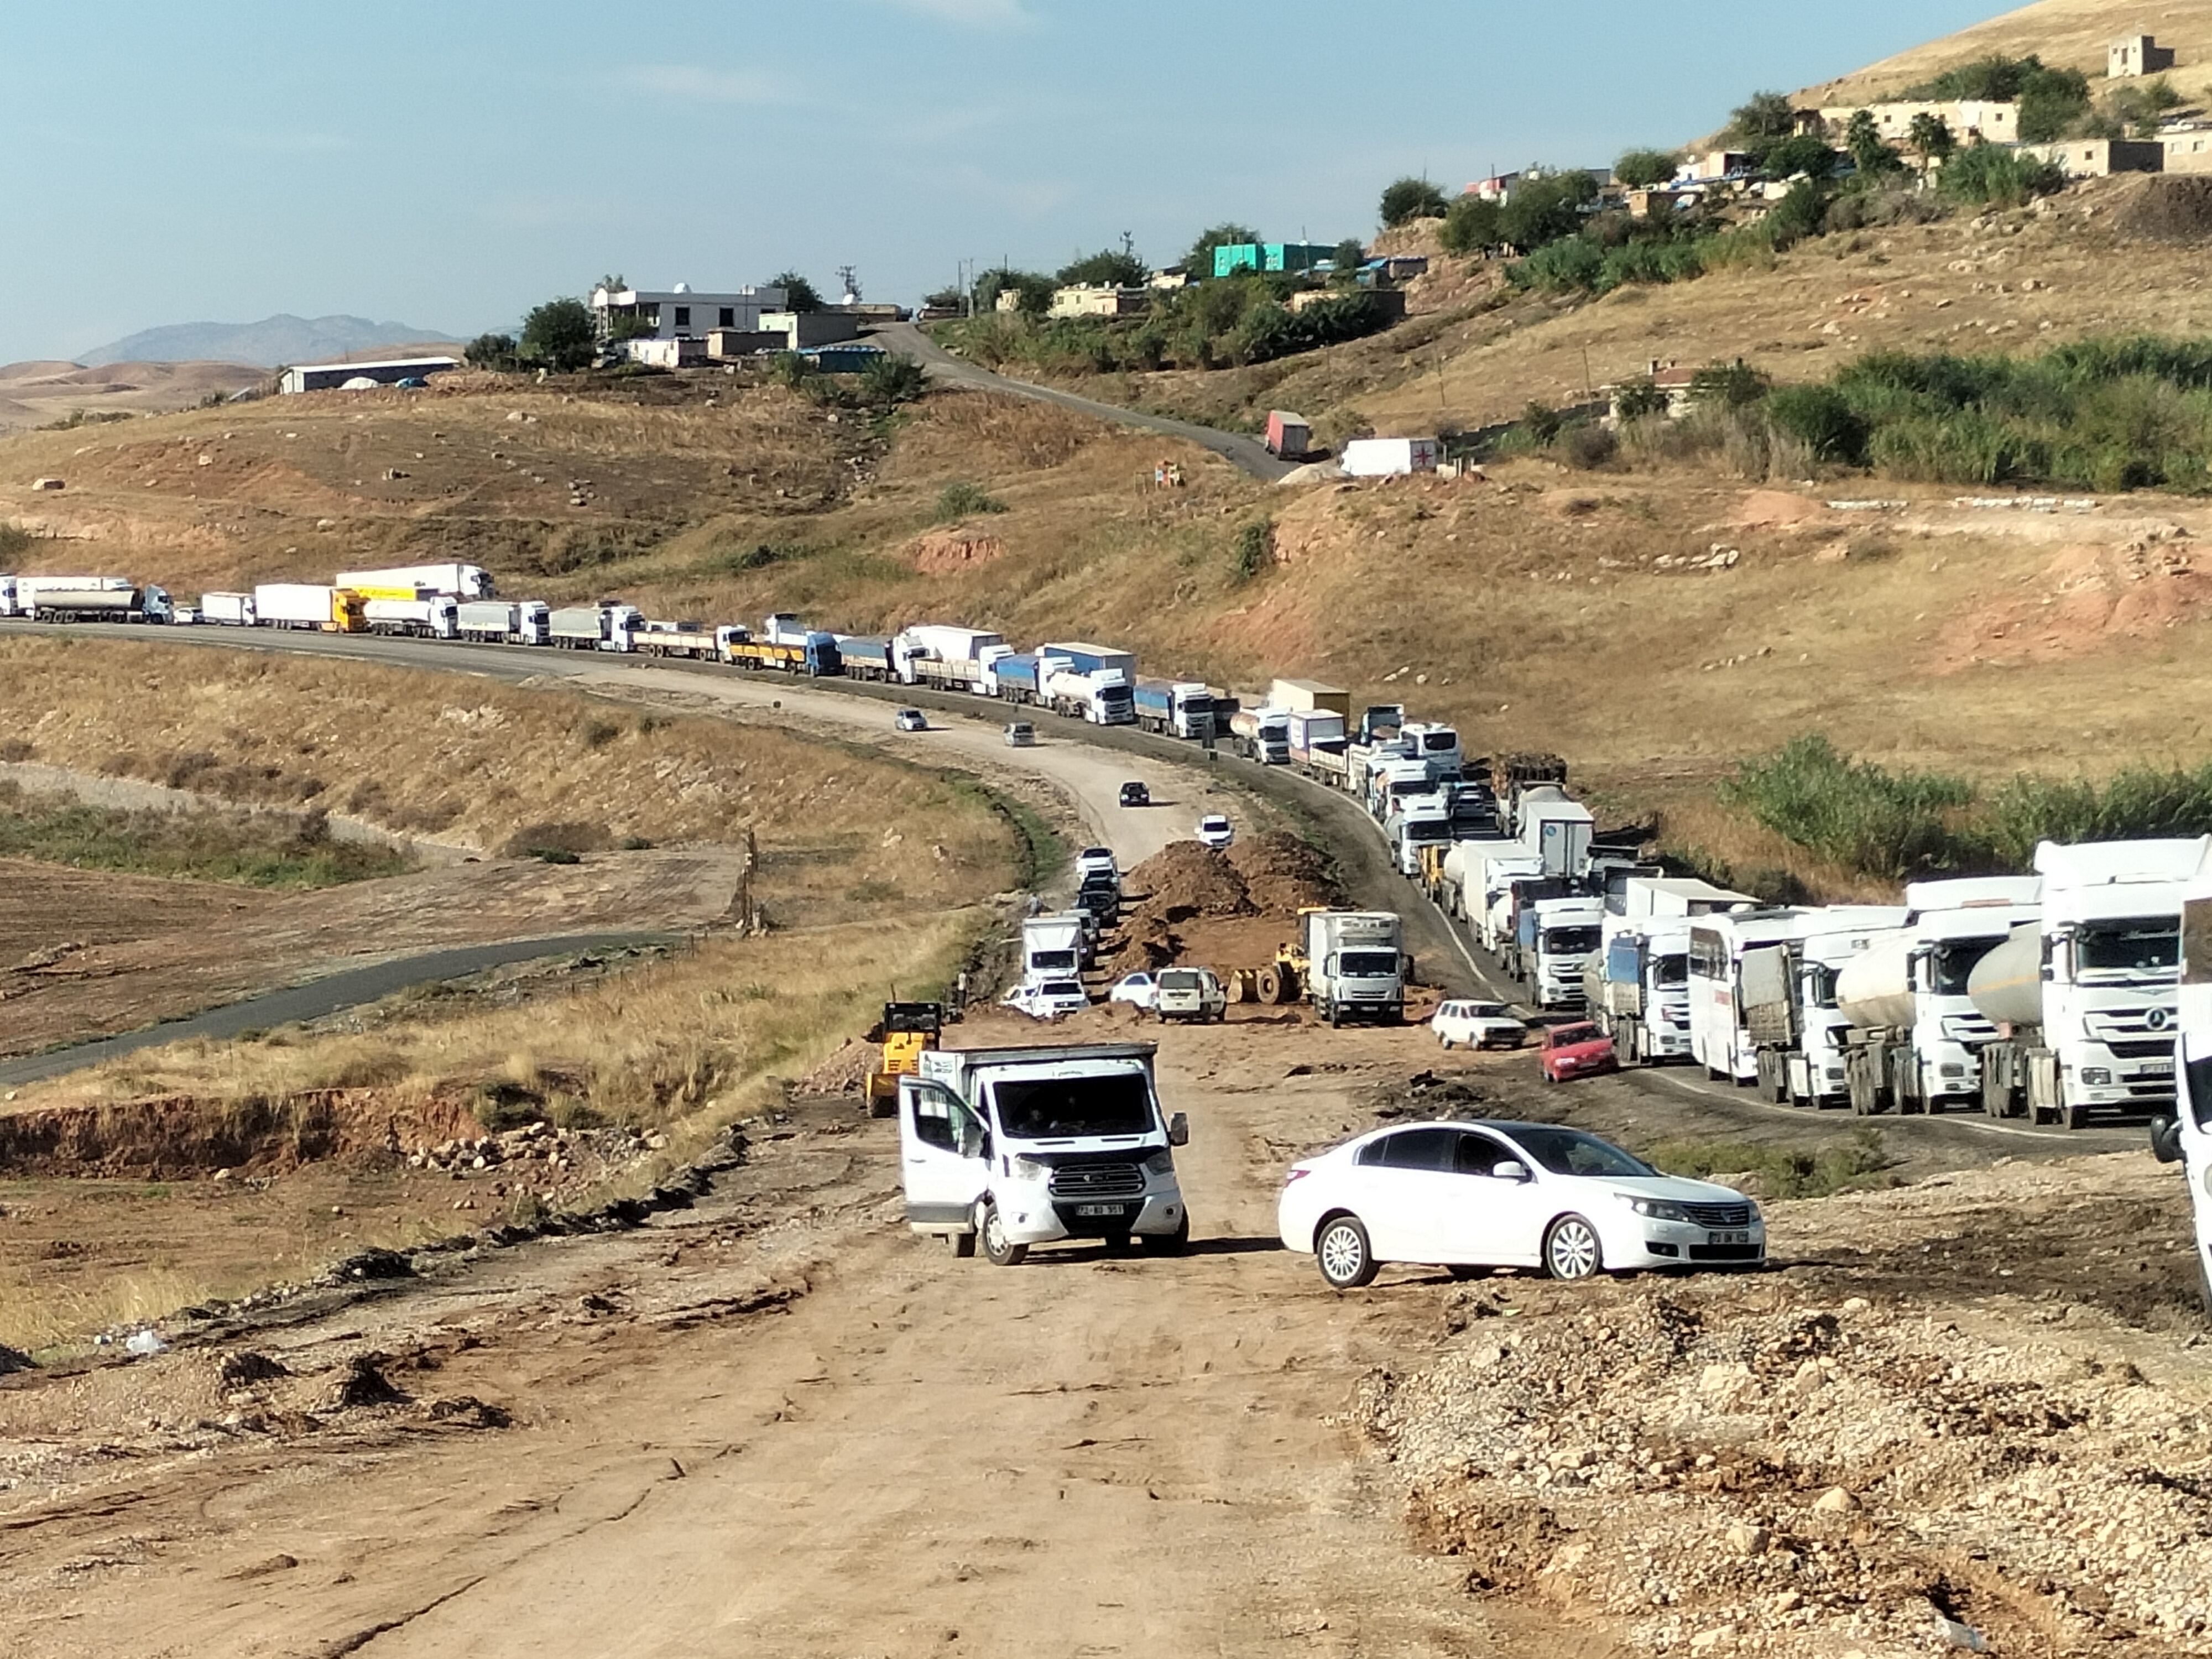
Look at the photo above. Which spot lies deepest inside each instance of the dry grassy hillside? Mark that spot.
(2065, 34)
(40, 393)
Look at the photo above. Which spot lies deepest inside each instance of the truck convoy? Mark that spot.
(2084, 1000)
(1915, 1038)
(1022, 1146)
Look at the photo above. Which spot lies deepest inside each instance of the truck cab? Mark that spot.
(1415, 823)
(1436, 746)
(1021, 1146)
(1355, 964)
(1558, 937)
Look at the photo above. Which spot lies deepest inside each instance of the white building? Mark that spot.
(678, 313)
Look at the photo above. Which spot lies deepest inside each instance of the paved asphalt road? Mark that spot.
(1244, 453)
(317, 999)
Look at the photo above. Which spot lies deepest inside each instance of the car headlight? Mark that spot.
(1028, 1169)
(1658, 1209)
(2094, 1075)
(1161, 1163)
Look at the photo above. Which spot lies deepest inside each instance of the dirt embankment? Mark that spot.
(1221, 908)
(178, 1135)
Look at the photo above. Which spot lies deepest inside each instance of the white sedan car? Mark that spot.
(1213, 830)
(1477, 1025)
(1049, 998)
(1472, 1196)
(1139, 990)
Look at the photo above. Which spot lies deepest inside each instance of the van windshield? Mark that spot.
(1048, 1108)
(1671, 970)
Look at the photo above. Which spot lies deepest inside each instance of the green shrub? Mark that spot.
(1405, 200)
(1988, 176)
(1821, 418)
(961, 499)
(1255, 548)
(1857, 813)
(1470, 226)
(1640, 169)
(1782, 1171)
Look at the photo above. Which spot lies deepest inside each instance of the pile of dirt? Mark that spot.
(174, 1136)
(2170, 211)
(948, 552)
(1270, 876)
(1184, 880)
(1746, 1477)
(844, 1072)
(1284, 874)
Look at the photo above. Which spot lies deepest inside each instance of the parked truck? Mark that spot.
(607, 626)
(1415, 824)
(1180, 708)
(1053, 946)
(458, 581)
(2184, 1135)
(1099, 697)
(1355, 964)
(677, 639)
(310, 605)
(1311, 696)
(111, 600)
(1288, 435)
(1085, 658)
(1021, 1146)
(431, 616)
(1018, 677)
(502, 621)
(813, 652)
(1261, 734)
(947, 657)
(1555, 940)
(228, 609)
(1788, 990)
(1379, 720)
(1916, 1038)
(1317, 742)
(2084, 1000)
(866, 657)
(1636, 987)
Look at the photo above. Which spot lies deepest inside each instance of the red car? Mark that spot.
(1576, 1050)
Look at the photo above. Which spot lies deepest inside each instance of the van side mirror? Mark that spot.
(1179, 1129)
(1510, 1168)
(2165, 1138)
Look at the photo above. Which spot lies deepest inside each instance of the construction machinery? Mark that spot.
(906, 1030)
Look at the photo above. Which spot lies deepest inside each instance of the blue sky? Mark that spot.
(448, 165)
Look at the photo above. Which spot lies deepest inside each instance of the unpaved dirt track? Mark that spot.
(1084, 1455)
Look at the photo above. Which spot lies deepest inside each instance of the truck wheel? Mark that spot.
(998, 1250)
(2075, 1115)
(1346, 1259)
(1174, 1243)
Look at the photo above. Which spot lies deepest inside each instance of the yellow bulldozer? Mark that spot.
(907, 1029)
(1283, 981)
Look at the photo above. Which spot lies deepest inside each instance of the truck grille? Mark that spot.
(1097, 1181)
(2142, 1048)
(1719, 1215)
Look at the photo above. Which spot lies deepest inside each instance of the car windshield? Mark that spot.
(2138, 946)
(1569, 1151)
(1367, 965)
(1214, 823)
(1563, 1035)
(1570, 941)
(1485, 1010)
(1059, 988)
(1042, 1109)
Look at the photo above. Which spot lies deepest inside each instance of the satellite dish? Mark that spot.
(684, 288)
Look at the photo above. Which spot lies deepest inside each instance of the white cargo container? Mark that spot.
(498, 622)
(431, 619)
(302, 604)
(228, 609)
(460, 582)
(1384, 458)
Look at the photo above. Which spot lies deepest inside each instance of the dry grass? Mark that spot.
(2066, 33)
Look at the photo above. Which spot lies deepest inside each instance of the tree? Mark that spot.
(1545, 208)
(494, 351)
(1640, 169)
(1870, 153)
(2051, 102)
(1732, 385)
(613, 283)
(1199, 262)
(1407, 199)
(1802, 152)
(1471, 226)
(1931, 136)
(558, 335)
(1108, 268)
(1033, 291)
(946, 299)
(891, 380)
(1351, 254)
(1762, 119)
(799, 294)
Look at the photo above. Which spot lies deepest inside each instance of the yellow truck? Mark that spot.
(907, 1029)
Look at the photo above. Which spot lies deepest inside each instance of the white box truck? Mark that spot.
(1022, 1146)
(1052, 946)
(228, 609)
(457, 582)
(1355, 964)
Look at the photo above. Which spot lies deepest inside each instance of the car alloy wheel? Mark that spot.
(1347, 1261)
(998, 1250)
(1571, 1249)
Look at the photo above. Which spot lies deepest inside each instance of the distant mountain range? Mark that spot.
(269, 344)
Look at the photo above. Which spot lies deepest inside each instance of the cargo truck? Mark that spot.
(1262, 735)
(866, 657)
(1017, 678)
(1099, 697)
(607, 626)
(1789, 992)
(1636, 987)
(430, 617)
(678, 639)
(1288, 435)
(1355, 964)
(1555, 940)
(1180, 708)
(2084, 1000)
(2183, 1135)
(944, 655)
(1311, 697)
(1317, 744)
(1085, 658)
(109, 600)
(1021, 1146)
(1416, 824)
(458, 581)
(1379, 720)
(499, 622)
(227, 609)
(813, 654)
(1053, 946)
(308, 604)
(1916, 1038)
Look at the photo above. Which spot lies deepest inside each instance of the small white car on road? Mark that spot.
(1213, 830)
(911, 720)
(1049, 998)
(1474, 1196)
(1097, 862)
(1139, 990)
(1465, 1024)
(1191, 993)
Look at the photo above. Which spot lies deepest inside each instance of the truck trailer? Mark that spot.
(109, 600)
(607, 626)
(1788, 993)
(228, 609)
(431, 617)
(693, 639)
(502, 622)
(309, 605)
(1179, 708)
(458, 581)
(1636, 989)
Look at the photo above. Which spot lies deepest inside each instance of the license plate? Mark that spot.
(1100, 1209)
(2159, 1068)
(1727, 1238)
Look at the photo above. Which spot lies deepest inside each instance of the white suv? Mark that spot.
(1478, 1026)
(1049, 998)
(1213, 830)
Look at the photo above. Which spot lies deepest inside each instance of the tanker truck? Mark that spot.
(1788, 993)
(2084, 1001)
(1916, 1037)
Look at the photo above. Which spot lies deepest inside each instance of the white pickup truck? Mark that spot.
(1034, 1146)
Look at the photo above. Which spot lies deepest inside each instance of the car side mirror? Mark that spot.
(1179, 1129)
(1510, 1169)
(2165, 1138)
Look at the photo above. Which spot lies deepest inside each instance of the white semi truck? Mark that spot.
(1023, 1146)
(2183, 1135)
(1261, 734)
(502, 622)
(1355, 964)
(605, 627)
(1556, 939)
(1788, 993)
(457, 581)
(228, 609)
(1916, 1037)
(1636, 987)
(431, 616)
(2084, 1001)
